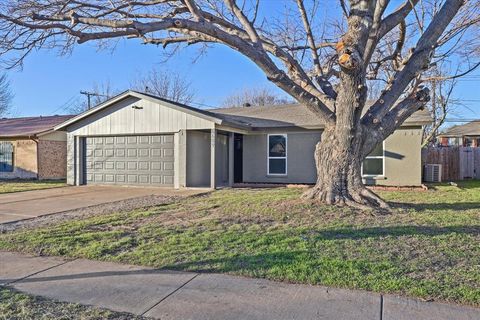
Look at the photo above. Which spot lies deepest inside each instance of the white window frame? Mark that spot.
(13, 156)
(376, 157)
(268, 154)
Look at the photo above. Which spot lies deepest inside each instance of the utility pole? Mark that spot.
(89, 95)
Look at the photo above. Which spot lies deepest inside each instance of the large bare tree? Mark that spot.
(257, 96)
(166, 84)
(6, 95)
(327, 63)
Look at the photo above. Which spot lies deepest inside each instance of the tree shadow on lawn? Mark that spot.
(395, 231)
(459, 206)
(258, 264)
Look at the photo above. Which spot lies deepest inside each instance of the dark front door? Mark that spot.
(238, 158)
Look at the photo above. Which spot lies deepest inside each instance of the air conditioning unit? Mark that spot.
(432, 173)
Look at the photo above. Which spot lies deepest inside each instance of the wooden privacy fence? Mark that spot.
(458, 163)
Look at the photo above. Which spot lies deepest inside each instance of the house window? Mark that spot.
(373, 165)
(453, 141)
(277, 154)
(6, 156)
(468, 142)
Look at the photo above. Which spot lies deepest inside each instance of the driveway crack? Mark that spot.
(170, 294)
(381, 307)
(38, 272)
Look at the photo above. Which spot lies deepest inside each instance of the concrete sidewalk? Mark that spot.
(183, 295)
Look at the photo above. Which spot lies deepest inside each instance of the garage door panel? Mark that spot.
(143, 160)
(168, 166)
(109, 140)
(168, 180)
(143, 152)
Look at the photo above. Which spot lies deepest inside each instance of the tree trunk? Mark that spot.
(343, 147)
(339, 180)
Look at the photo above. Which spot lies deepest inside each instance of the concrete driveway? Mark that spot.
(31, 204)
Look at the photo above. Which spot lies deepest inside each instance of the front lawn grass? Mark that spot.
(428, 247)
(18, 306)
(18, 185)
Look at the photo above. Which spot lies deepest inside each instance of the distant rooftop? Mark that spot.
(29, 126)
(467, 129)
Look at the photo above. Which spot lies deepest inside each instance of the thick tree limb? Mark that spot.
(310, 38)
(401, 112)
(418, 61)
(396, 17)
(305, 91)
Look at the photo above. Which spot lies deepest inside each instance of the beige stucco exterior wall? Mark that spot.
(54, 136)
(198, 159)
(25, 160)
(402, 158)
(300, 161)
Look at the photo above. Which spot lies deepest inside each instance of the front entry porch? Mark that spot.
(213, 158)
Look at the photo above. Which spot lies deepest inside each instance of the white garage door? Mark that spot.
(130, 160)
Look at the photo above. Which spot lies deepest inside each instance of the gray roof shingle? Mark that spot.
(29, 126)
(467, 129)
(290, 115)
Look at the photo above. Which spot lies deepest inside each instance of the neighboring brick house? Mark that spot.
(31, 149)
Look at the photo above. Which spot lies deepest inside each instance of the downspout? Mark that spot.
(34, 138)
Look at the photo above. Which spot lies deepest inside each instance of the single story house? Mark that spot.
(140, 139)
(31, 149)
(466, 135)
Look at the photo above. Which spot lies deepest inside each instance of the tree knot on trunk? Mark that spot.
(348, 57)
(423, 94)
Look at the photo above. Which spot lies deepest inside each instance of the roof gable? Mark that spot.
(130, 93)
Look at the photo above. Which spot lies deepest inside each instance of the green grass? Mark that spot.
(18, 306)
(18, 186)
(428, 247)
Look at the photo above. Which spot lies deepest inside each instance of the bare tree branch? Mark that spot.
(419, 61)
(6, 95)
